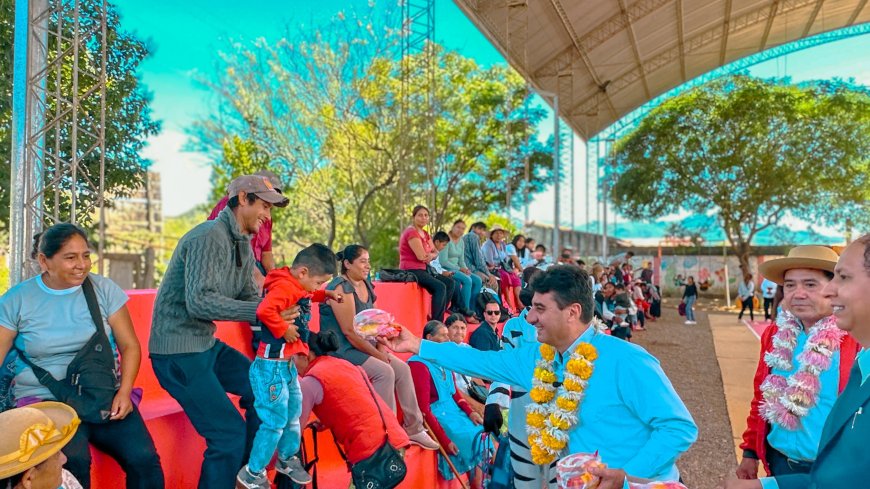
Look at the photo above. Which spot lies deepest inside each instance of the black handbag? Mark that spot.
(395, 275)
(90, 384)
(477, 392)
(384, 469)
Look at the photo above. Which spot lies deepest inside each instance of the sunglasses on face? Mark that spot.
(492, 313)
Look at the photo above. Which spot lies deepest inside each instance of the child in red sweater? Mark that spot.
(273, 375)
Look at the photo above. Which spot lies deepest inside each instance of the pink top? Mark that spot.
(407, 259)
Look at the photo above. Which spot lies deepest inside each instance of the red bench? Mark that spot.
(181, 448)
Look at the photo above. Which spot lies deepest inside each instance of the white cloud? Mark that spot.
(185, 176)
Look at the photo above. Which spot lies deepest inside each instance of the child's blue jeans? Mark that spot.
(278, 401)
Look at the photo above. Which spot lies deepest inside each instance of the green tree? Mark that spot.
(751, 152)
(128, 115)
(325, 107)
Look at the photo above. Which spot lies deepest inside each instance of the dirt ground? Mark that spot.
(688, 357)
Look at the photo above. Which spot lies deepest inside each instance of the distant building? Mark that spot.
(141, 212)
(134, 226)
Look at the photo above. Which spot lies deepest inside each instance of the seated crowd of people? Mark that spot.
(214, 275)
(375, 404)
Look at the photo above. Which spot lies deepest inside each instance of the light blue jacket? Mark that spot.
(631, 414)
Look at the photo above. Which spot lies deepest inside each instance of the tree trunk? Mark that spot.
(742, 249)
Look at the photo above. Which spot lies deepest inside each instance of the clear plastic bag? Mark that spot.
(374, 323)
(572, 472)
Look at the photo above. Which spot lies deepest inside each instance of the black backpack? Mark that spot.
(90, 384)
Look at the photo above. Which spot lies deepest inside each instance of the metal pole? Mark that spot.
(28, 114)
(604, 191)
(727, 282)
(573, 182)
(19, 146)
(556, 164)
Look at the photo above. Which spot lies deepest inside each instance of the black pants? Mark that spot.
(781, 465)
(768, 302)
(747, 303)
(200, 383)
(440, 287)
(127, 441)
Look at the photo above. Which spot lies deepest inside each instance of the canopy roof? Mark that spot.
(605, 58)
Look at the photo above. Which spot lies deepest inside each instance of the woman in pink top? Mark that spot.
(416, 252)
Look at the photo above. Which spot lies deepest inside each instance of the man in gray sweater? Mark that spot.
(209, 279)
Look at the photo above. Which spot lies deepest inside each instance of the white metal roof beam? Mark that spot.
(633, 38)
(857, 12)
(604, 31)
(681, 39)
(726, 21)
(770, 18)
(812, 19)
(693, 44)
(566, 24)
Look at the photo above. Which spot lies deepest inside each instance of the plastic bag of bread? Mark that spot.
(373, 323)
(572, 472)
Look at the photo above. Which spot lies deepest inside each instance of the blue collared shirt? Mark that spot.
(631, 413)
(803, 443)
(864, 365)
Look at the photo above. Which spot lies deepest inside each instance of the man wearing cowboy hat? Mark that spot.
(805, 363)
(30, 447)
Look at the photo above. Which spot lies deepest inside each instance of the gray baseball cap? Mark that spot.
(259, 185)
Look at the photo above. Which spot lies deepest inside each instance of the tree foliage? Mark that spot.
(323, 108)
(751, 151)
(128, 115)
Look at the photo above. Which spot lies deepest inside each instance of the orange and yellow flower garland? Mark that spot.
(553, 411)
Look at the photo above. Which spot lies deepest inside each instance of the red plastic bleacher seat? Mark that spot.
(181, 448)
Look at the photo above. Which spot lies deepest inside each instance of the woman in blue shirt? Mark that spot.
(47, 318)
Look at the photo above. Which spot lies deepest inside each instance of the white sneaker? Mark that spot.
(687, 322)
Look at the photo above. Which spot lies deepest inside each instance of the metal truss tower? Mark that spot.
(418, 36)
(58, 120)
(598, 155)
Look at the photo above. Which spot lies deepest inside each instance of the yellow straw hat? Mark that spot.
(33, 433)
(813, 257)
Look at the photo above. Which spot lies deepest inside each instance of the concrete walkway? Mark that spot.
(737, 350)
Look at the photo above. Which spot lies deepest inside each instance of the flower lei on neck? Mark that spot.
(787, 400)
(553, 411)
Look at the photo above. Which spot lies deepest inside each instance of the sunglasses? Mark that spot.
(493, 313)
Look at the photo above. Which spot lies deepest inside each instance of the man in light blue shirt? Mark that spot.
(768, 292)
(517, 332)
(630, 413)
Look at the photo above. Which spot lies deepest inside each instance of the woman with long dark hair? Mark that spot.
(47, 319)
(390, 376)
(416, 251)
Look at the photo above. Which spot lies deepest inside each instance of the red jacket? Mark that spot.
(757, 428)
(348, 409)
(282, 292)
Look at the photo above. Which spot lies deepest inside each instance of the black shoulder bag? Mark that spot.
(396, 275)
(384, 469)
(90, 384)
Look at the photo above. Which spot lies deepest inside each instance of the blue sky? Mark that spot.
(185, 37)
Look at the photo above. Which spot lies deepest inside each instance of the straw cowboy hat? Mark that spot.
(33, 433)
(497, 227)
(812, 257)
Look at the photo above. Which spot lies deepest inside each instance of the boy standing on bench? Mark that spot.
(274, 379)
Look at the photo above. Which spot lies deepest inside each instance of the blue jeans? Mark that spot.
(469, 287)
(690, 311)
(278, 400)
